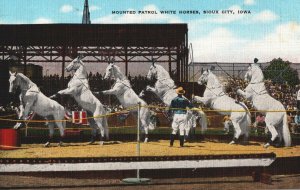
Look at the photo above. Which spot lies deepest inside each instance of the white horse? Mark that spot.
(215, 97)
(164, 88)
(35, 101)
(79, 88)
(276, 121)
(128, 98)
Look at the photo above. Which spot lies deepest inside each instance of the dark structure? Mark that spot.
(4, 76)
(127, 43)
(86, 13)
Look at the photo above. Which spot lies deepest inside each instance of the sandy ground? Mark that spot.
(224, 183)
(157, 148)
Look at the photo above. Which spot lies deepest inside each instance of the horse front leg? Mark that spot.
(244, 94)
(20, 113)
(23, 115)
(111, 91)
(151, 89)
(67, 91)
(203, 100)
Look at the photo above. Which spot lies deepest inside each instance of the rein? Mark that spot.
(82, 83)
(166, 84)
(261, 92)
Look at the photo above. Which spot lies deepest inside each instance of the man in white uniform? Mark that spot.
(178, 107)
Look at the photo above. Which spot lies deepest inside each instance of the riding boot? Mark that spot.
(172, 138)
(181, 139)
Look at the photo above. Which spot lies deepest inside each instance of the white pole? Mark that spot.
(137, 180)
(138, 138)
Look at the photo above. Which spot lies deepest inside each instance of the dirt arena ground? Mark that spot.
(224, 183)
(157, 148)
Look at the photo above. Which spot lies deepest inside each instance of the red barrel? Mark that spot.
(9, 139)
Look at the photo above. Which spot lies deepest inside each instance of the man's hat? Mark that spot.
(255, 60)
(180, 90)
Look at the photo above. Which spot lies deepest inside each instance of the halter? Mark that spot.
(120, 81)
(82, 83)
(171, 87)
(218, 95)
(258, 93)
(222, 93)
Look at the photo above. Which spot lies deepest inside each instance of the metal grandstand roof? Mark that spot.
(93, 35)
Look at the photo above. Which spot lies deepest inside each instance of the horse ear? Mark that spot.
(113, 61)
(12, 73)
(80, 57)
(202, 70)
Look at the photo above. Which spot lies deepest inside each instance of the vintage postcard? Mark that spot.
(141, 92)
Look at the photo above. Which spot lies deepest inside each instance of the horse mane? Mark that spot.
(215, 78)
(82, 69)
(24, 78)
(257, 74)
(123, 77)
(162, 71)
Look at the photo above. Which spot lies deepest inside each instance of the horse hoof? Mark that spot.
(146, 140)
(60, 144)
(266, 145)
(232, 142)
(18, 126)
(91, 142)
(101, 143)
(47, 144)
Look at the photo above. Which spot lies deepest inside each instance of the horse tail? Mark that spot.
(152, 120)
(203, 121)
(246, 121)
(286, 132)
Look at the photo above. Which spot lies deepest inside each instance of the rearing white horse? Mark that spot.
(34, 100)
(276, 121)
(79, 88)
(215, 97)
(164, 88)
(127, 97)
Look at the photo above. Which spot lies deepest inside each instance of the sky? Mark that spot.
(271, 30)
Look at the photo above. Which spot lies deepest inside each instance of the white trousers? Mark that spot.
(179, 122)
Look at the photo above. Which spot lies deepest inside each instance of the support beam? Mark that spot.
(63, 67)
(126, 61)
(25, 59)
(170, 61)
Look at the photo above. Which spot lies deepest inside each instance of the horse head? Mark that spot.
(204, 77)
(254, 74)
(111, 70)
(152, 73)
(75, 64)
(12, 81)
(248, 74)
